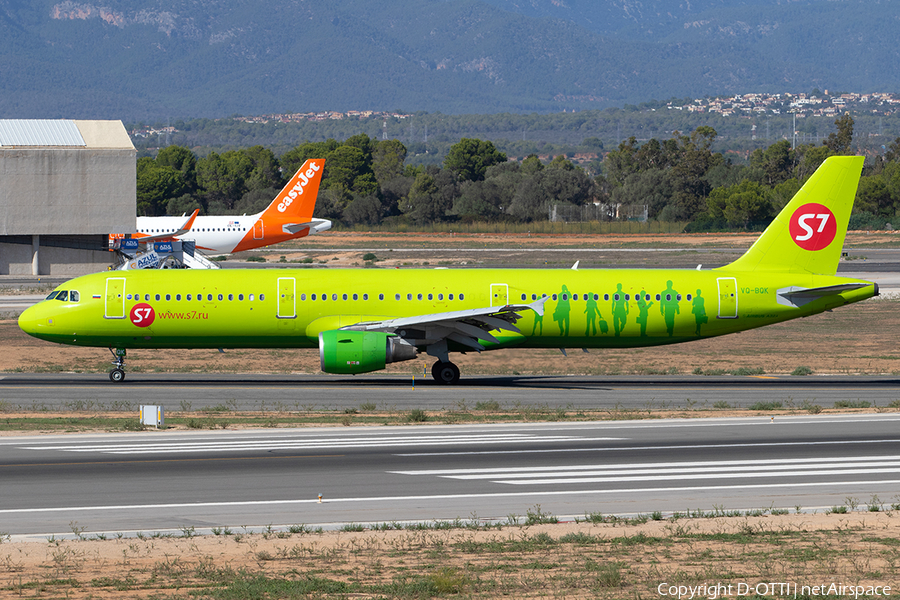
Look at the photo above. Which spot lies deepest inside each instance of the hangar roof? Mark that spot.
(63, 133)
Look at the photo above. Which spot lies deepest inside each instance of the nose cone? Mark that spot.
(35, 319)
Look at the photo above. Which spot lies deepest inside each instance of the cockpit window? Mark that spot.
(74, 296)
(52, 295)
(63, 296)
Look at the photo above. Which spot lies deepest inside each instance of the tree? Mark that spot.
(156, 186)
(387, 160)
(776, 162)
(266, 172)
(292, 160)
(839, 143)
(742, 205)
(181, 159)
(222, 178)
(469, 159)
(423, 205)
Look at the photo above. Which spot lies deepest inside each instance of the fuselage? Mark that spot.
(226, 234)
(290, 307)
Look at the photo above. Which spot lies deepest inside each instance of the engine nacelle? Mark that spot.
(351, 352)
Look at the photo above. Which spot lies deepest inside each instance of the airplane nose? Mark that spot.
(32, 319)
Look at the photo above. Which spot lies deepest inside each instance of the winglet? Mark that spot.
(185, 227)
(538, 305)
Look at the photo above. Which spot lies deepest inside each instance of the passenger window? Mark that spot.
(430, 296)
(616, 297)
(241, 297)
(168, 297)
(657, 297)
(146, 297)
(688, 297)
(302, 297)
(628, 296)
(605, 297)
(188, 297)
(128, 296)
(209, 297)
(262, 297)
(220, 297)
(533, 297)
(409, 296)
(230, 297)
(365, 296)
(462, 297)
(157, 297)
(313, 296)
(324, 297)
(343, 296)
(668, 297)
(450, 296)
(418, 296)
(381, 296)
(356, 296)
(440, 296)
(178, 297)
(597, 297)
(334, 297)
(565, 296)
(678, 297)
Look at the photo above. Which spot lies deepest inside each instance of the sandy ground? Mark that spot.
(857, 548)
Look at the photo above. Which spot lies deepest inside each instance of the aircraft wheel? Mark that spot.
(117, 375)
(445, 372)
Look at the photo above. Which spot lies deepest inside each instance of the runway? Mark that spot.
(186, 392)
(170, 481)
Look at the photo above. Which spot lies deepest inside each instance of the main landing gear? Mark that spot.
(445, 372)
(118, 374)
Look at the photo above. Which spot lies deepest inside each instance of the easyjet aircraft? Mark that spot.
(288, 217)
(363, 319)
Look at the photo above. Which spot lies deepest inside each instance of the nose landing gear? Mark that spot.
(118, 374)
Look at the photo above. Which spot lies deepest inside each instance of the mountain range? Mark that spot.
(159, 59)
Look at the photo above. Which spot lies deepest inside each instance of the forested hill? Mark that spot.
(131, 60)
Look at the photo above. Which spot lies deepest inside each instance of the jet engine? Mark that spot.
(351, 352)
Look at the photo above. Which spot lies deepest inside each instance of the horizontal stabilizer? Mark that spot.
(798, 296)
(314, 226)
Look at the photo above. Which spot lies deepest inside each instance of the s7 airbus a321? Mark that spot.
(363, 319)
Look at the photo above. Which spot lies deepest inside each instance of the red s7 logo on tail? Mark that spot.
(813, 226)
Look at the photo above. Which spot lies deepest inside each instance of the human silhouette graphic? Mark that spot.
(561, 314)
(699, 310)
(619, 310)
(592, 313)
(643, 309)
(668, 307)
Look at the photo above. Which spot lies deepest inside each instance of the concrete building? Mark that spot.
(64, 186)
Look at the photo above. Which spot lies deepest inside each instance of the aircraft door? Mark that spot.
(499, 294)
(258, 229)
(727, 297)
(115, 298)
(287, 296)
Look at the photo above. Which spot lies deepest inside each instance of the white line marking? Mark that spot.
(677, 447)
(447, 496)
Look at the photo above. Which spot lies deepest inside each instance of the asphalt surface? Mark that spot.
(178, 392)
(169, 481)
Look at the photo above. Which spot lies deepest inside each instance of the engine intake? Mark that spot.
(350, 352)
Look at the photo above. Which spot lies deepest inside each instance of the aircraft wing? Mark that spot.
(185, 227)
(466, 327)
(314, 226)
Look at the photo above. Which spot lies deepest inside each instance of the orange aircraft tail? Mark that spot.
(295, 203)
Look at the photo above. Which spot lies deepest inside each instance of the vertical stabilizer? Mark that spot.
(296, 202)
(808, 235)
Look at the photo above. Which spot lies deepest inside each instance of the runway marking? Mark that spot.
(677, 447)
(394, 499)
(168, 460)
(306, 444)
(669, 471)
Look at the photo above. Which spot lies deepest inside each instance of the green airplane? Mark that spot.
(363, 319)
